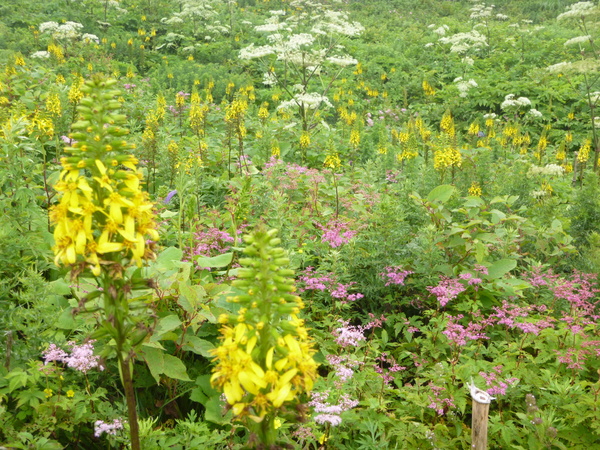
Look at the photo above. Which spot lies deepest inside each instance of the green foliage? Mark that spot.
(434, 228)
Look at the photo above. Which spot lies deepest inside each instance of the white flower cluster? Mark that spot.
(577, 40)
(511, 103)
(501, 17)
(481, 11)
(87, 38)
(463, 42)
(464, 86)
(40, 55)
(252, 52)
(271, 27)
(468, 61)
(578, 10)
(582, 66)
(310, 100)
(490, 116)
(342, 61)
(547, 170)
(441, 30)
(540, 193)
(65, 31)
(534, 113)
(336, 22)
(269, 79)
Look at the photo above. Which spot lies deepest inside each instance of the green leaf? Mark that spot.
(154, 359)
(384, 337)
(214, 411)
(500, 268)
(160, 362)
(216, 261)
(441, 193)
(165, 325)
(168, 257)
(199, 346)
(174, 368)
(65, 321)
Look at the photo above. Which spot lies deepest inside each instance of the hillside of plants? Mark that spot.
(299, 224)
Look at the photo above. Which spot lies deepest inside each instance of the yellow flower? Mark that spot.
(102, 210)
(53, 104)
(584, 151)
(354, 138)
(428, 89)
(304, 139)
(475, 189)
(48, 392)
(265, 360)
(70, 393)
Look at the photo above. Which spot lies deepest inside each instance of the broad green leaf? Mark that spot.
(501, 267)
(156, 363)
(65, 320)
(214, 411)
(216, 261)
(165, 325)
(168, 257)
(174, 368)
(441, 193)
(199, 346)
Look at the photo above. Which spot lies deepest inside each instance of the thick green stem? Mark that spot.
(134, 431)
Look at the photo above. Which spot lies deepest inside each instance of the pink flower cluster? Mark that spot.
(336, 233)
(439, 403)
(211, 242)
(386, 366)
(313, 281)
(395, 275)
(348, 335)
(101, 427)
(498, 387)
(82, 356)
(344, 368)
(447, 290)
(459, 334)
(327, 412)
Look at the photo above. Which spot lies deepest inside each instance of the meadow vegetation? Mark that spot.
(304, 224)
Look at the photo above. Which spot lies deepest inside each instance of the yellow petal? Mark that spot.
(269, 360)
(101, 167)
(248, 383)
(115, 212)
(80, 242)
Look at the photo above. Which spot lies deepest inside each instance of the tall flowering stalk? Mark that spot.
(265, 360)
(104, 222)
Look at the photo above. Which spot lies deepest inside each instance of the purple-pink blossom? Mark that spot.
(395, 275)
(336, 233)
(447, 290)
(348, 335)
(328, 412)
(111, 428)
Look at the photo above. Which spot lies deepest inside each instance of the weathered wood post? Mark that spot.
(479, 423)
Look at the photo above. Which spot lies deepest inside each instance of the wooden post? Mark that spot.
(479, 423)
